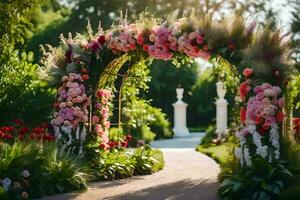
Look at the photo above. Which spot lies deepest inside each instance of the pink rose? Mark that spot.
(280, 102)
(247, 72)
(260, 96)
(269, 93)
(266, 86)
(95, 119)
(98, 128)
(105, 138)
(269, 121)
(258, 89)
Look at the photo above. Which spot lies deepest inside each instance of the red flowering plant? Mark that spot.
(9, 134)
(296, 122)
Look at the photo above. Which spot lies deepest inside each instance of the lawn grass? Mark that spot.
(220, 153)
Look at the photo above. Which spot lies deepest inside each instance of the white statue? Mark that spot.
(221, 110)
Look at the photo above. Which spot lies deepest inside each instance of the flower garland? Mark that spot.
(101, 117)
(261, 119)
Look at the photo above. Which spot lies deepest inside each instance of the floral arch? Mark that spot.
(259, 58)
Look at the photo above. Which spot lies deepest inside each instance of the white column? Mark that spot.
(221, 110)
(180, 129)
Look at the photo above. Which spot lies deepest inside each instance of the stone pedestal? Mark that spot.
(180, 129)
(221, 104)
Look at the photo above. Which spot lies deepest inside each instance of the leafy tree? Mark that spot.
(295, 29)
(22, 95)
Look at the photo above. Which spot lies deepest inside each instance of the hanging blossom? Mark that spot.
(122, 39)
(101, 118)
(71, 105)
(261, 118)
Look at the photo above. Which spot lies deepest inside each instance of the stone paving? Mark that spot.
(187, 175)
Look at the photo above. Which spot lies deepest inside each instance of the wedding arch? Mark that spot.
(260, 58)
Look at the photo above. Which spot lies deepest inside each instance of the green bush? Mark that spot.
(22, 94)
(210, 134)
(49, 172)
(261, 181)
(144, 161)
(118, 163)
(160, 125)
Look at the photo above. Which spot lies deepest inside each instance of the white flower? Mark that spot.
(25, 174)
(6, 183)
(251, 129)
(247, 157)
(239, 154)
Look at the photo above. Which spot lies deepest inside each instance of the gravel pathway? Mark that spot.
(187, 175)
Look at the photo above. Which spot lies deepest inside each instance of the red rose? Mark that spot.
(124, 144)
(247, 72)
(258, 120)
(266, 127)
(101, 39)
(112, 144)
(85, 77)
(7, 129)
(145, 47)
(8, 137)
(243, 115)
(279, 116)
(200, 39)
(262, 131)
(129, 137)
(104, 146)
(140, 39)
(23, 130)
(38, 130)
(243, 90)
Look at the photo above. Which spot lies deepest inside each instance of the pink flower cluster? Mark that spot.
(193, 45)
(123, 39)
(159, 43)
(72, 102)
(264, 109)
(102, 124)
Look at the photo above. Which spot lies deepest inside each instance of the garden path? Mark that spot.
(187, 175)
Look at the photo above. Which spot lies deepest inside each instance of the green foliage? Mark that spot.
(115, 165)
(50, 171)
(22, 94)
(66, 173)
(295, 31)
(144, 161)
(210, 134)
(261, 181)
(14, 20)
(118, 164)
